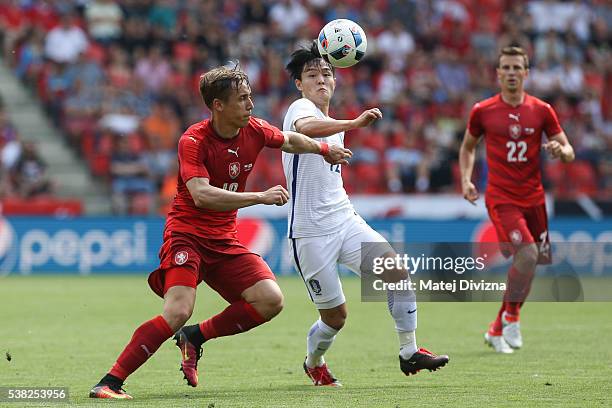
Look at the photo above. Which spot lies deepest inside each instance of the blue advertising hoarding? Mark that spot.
(39, 245)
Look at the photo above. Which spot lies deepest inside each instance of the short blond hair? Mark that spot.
(514, 50)
(216, 83)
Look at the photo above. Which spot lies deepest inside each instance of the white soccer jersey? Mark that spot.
(318, 203)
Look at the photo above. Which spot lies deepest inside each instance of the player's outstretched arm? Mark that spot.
(299, 143)
(559, 147)
(467, 157)
(316, 127)
(213, 198)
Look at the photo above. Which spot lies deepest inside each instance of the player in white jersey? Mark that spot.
(325, 230)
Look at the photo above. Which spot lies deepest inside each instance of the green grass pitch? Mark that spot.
(67, 331)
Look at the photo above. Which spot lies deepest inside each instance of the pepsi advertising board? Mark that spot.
(103, 245)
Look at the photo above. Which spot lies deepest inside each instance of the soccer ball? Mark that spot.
(342, 43)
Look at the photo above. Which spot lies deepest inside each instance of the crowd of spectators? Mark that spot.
(22, 171)
(120, 77)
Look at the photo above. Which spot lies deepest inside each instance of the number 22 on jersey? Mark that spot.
(516, 151)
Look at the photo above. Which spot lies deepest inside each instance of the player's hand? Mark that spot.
(367, 117)
(276, 195)
(470, 192)
(337, 155)
(554, 149)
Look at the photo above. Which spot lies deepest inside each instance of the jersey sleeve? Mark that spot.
(300, 109)
(551, 121)
(272, 135)
(475, 121)
(191, 158)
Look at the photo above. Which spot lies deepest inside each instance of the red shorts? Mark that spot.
(517, 226)
(225, 265)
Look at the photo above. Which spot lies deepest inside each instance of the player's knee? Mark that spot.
(269, 303)
(177, 313)
(394, 275)
(527, 257)
(274, 303)
(335, 319)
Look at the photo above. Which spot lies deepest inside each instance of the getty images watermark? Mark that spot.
(477, 271)
(412, 265)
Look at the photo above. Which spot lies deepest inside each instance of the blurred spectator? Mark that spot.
(550, 47)
(65, 42)
(104, 19)
(395, 44)
(483, 39)
(29, 173)
(542, 79)
(290, 15)
(571, 78)
(453, 76)
(168, 188)
(153, 70)
(405, 161)
(31, 58)
(129, 175)
(162, 127)
(9, 142)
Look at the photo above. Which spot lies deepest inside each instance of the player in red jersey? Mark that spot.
(512, 123)
(215, 158)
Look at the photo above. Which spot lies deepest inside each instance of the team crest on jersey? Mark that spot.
(181, 257)
(234, 169)
(516, 237)
(515, 130)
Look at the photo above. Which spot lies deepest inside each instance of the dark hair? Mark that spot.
(302, 57)
(514, 50)
(216, 83)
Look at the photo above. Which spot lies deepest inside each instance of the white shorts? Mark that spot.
(316, 259)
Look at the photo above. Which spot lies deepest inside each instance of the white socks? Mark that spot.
(407, 341)
(403, 309)
(320, 338)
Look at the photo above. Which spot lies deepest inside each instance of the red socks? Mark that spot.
(145, 341)
(517, 289)
(496, 327)
(238, 317)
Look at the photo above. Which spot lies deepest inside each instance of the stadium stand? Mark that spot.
(126, 72)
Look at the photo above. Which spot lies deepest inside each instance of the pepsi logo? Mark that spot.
(8, 247)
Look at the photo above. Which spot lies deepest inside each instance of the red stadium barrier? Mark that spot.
(41, 206)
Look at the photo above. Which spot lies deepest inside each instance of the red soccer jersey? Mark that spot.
(226, 163)
(513, 137)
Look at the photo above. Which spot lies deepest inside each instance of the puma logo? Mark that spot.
(146, 350)
(515, 117)
(234, 151)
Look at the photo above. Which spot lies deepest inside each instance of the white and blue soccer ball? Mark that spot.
(342, 43)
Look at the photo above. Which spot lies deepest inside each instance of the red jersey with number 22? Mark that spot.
(226, 163)
(513, 137)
